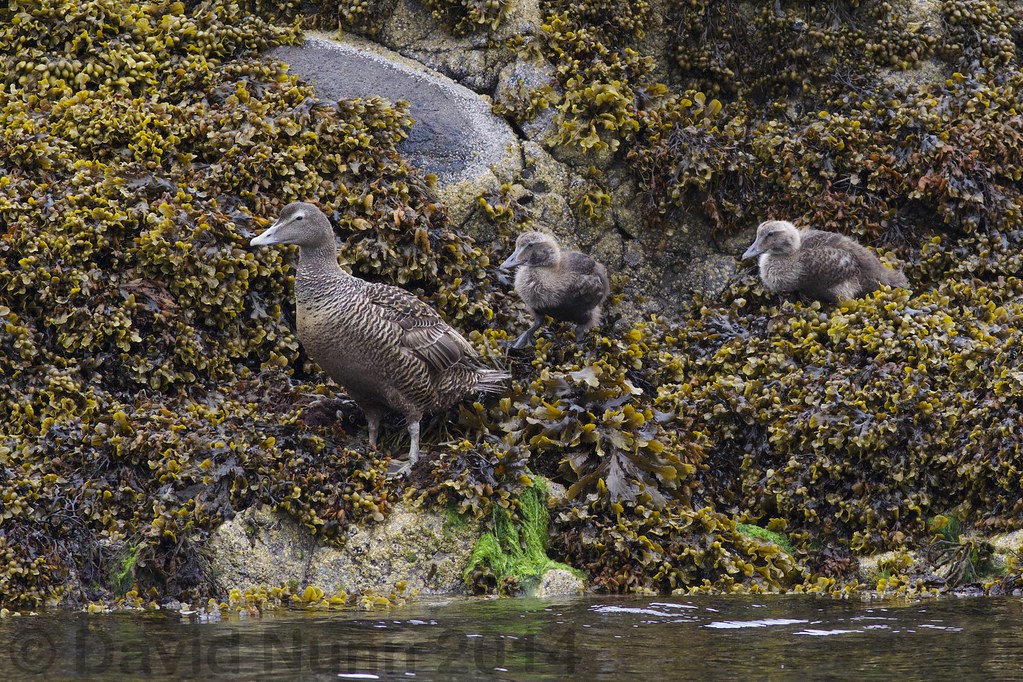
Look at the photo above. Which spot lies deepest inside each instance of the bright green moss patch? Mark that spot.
(767, 536)
(514, 554)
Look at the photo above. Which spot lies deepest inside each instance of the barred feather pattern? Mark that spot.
(387, 348)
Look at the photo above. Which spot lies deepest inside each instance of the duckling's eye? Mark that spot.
(300, 217)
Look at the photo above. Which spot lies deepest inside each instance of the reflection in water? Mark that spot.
(724, 638)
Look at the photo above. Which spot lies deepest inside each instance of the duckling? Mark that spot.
(822, 265)
(385, 347)
(568, 286)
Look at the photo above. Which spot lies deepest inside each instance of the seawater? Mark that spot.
(675, 638)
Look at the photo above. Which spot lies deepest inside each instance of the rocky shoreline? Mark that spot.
(167, 440)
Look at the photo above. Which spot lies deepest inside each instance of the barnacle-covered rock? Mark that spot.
(412, 546)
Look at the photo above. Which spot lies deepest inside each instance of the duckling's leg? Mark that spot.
(527, 336)
(413, 450)
(581, 329)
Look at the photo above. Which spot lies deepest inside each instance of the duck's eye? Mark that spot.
(300, 217)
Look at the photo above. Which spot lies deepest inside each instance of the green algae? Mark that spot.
(766, 535)
(515, 551)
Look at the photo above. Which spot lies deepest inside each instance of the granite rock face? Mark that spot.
(558, 582)
(472, 60)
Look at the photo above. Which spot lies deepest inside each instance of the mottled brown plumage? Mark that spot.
(567, 285)
(388, 349)
(822, 265)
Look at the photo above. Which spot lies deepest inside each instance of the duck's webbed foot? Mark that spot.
(526, 337)
(413, 452)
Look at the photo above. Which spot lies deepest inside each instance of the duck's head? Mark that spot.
(779, 237)
(299, 223)
(533, 248)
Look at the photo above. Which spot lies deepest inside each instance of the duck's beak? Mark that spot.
(753, 250)
(268, 237)
(512, 260)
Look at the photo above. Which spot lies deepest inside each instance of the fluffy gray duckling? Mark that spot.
(822, 265)
(567, 285)
(385, 347)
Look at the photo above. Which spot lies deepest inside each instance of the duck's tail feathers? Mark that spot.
(894, 278)
(492, 380)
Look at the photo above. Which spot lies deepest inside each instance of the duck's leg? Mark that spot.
(527, 336)
(413, 450)
(373, 419)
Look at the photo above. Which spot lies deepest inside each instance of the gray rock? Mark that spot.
(1006, 548)
(455, 135)
(1008, 543)
(260, 547)
(473, 60)
(558, 582)
(515, 84)
(475, 153)
(874, 568)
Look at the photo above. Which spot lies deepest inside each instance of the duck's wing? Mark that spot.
(421, 330)
(588, 279)
(827, 271)
(818, 239)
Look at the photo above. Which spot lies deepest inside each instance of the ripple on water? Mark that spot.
(759, 623)
(631, 610)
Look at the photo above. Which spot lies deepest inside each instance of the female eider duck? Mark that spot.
(822, 265)
(385, 347)
(568, 286)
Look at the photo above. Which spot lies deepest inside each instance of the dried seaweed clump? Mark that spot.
(595, 421)
(474, 480)
(813, 49)
(151, 384)
(463, 17)
(365, 17)
(901, 162)
(679, 548)
(616, 21)
(861, 141)
(981, 33)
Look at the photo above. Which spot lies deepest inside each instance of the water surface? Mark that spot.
(705, 638)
